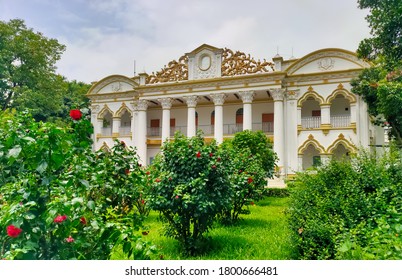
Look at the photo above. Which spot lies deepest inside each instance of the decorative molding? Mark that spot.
(238, 63)
(341, 140)
(191, 101)
(292, 94)
(95, 109)
(105, 148)
(142, 105)
(104, 111)
(308, 94)
(341, 90)
(173, 72)
(247, 96)
(311, 140)
(98, 86)
(166, 103)
(277, 94)
(326, 64)
(123, 108)
(218, 98)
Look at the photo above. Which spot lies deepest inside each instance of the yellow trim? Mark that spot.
(341, 90)
(341, 140)
(121, 110)
(105, 147)
(154, 142)
(309, 141)
(307, 94)
(119, 78)
(103, 112)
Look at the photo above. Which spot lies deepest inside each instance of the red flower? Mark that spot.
(69, 239)
(218, 159)
(60, 219)
(13, 231)
(83, 220)
(177, 197)
(75, 114)
(157, 180)
(213, 166)
(142, 201)
(252, 203)
(211, 154)
(198, 154)
(127, 171)
(250, 180)
(148, 173)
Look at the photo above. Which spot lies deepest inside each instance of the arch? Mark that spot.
(308, 94)
(341, 90)
(105, 148)
(98, 86)
(123, 108)
(311, 141)
(341, 140)
(104, 111)
(323, 53)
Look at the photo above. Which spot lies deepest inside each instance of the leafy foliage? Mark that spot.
(381, 85)
(53, 189)
(349, 210)
(189, 187)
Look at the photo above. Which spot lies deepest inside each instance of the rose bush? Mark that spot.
(189, 186)
(55, 201)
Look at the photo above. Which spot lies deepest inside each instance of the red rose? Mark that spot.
(250, 180)
(211, 154)
(157, 180)
(60, 219)
(198, 154)
(177, 197)
(142, 201)
(127, 171)
(213, 166)
(83, 221)
(148, 173)
(13, 231)
(218, 159)
(75, 114)
(69, 239)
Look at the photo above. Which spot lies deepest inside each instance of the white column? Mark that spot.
(116, 126)
(325, 114)
(142, 106)
(353, 109)
(363, 129)
(219, 99)
(97, 123)
(300, 162)
(279, 132)
(134, 124)
(191, 104)
(291, 132)
(247, 97)
(166, 105)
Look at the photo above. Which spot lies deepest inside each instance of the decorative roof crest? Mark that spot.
(238, 63)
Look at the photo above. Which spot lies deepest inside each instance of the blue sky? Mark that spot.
(104, 37)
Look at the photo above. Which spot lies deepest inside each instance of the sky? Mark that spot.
(105, 37)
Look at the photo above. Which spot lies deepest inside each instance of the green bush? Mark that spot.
(189, 187)
(349, 209)
(55, 201)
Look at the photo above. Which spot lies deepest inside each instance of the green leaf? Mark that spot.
(42, 167)
(29, 216)
(14, 152)
(91, 205)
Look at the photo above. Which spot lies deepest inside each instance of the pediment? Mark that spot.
(113, 84)
(204, 47)
(326, 60)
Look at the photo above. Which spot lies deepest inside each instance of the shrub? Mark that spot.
(247, 180)
(189, 186)
(47, 207)
(349, 209)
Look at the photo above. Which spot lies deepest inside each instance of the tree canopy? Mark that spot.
(381, 85)
(28, 78)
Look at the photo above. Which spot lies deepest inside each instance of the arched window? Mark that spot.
(239, 120)
(213, 118)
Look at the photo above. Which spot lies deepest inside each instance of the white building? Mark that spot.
(304, 105)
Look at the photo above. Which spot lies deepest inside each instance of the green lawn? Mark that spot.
(261, 235)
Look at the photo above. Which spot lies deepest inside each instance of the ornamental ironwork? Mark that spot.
(238, 63)
(173, 72)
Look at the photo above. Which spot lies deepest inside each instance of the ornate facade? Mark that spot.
(304, 105)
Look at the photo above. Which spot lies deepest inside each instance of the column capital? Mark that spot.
(277, 93)
(292, 94)
(141, 105)
(218, 98)
(247, 96)
(166, 102)
(191, 101)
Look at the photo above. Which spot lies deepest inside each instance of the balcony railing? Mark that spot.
(310, 122)
(266, 127)
(125, 130)
(340, 121)
(106, 131)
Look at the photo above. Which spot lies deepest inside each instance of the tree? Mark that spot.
(381, 85)
(27, 60)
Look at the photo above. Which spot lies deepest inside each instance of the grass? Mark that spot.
(261, 235)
